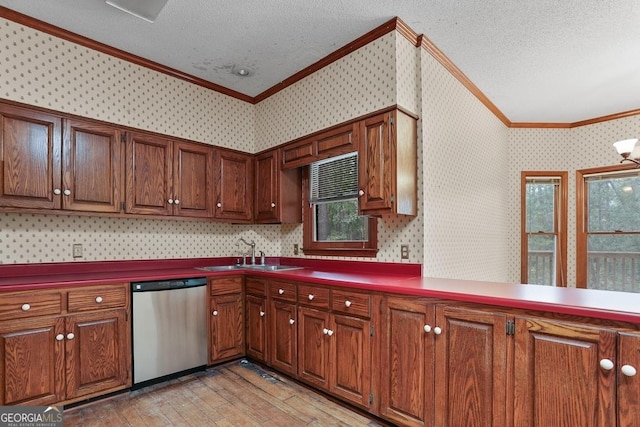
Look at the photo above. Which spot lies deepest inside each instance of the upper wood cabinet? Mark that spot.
(234, 186)
(47, 167)
(333, 142)
(165, 177)
(388, 164)
(278, 192)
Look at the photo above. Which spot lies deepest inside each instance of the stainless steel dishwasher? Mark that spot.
(169, 329)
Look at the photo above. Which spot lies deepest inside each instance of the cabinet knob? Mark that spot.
(325, 331)
(427, 328)
(67, 192)
(176, 201)
(219, 204)
(262, 313)
(311, 297)
(98, 300)
(59, 337)
(273, 205)
(291, 321)
(281, 291)
(360, 192)
(214, 313)
(437, 330)
(628, 370)
(606, 364)
(329, 332)
(26, 307)
(347, 303)
(170, 201)
(70, 336)
(57, 191)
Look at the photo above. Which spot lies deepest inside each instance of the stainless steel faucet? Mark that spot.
(253, 249)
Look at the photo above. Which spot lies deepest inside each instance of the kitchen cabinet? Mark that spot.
(278, 192)
(234, 186)
(62, 345)
(387, 163)
(46, 165)
(324, 144)
(226, 326)
(166, 177)
(256, 319)
(628, 390)
(560, 378)
(283, 337)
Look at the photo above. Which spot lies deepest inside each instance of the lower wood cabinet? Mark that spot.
(226, 314)
(628, 376)
(256, 319)
(64, 358)
(283, 337)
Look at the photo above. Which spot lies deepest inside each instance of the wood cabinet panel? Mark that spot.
(628, 391)
(299, 153)
(351, 302)
(234, 186)
(23, 304)
(92, 167)
(341, 140)
(97, 298)
(313, 296)
(558, 378)
(32, 361)
(278, 192)
(192, 180)
(283, 346)
(256, 327)
(30, 149)
(227, 327)
(313, 350)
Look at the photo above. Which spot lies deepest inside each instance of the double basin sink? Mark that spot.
(265, 267)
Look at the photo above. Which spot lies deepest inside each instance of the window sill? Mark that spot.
(345, 252)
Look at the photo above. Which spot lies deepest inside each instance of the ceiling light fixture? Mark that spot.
(143, 9)
(629, 151)
(241, 71)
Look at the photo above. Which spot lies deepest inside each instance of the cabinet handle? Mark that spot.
(214, 313)
(329, 332)
(70, 336)
(262, 313)
(437, 330)
(606, 364)
(360, 192)
(281, 291)
(311, 297)
(176, 201)
(219, 204)
(26, 307)
(628, 370)
(59, 337)
(347, 303)
(98, 300)
(67, 192)
(291, 321)
(57, 191)
(170, 201)
(325, 331)
(273, 205)
(427, 328)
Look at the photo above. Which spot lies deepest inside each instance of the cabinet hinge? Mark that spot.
(390, 119)
(370, 398)
(123, 137)
(371, 331)
(122, 206)
(511, 327)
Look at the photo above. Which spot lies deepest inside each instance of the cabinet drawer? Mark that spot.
(350, 302)
(22, 304)
(97, 298)
(226, 285)
(255, 287)
(283, 291)
(313, 296)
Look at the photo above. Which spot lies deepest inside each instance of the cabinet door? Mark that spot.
(558, 378)
(313, 346)
(92, 167)
(350, 360)
(227, 327)
(407, 381)
(375, 168)
(234, 186)
(30, 150)
(192, 180)
(283, 337)
(267, 187)
(471, 368)
(97, 353)
(149, 175)
(628, 385)
(32, 361)
(256, 332)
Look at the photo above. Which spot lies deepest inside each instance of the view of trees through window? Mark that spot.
(339, 221)
(613, 235)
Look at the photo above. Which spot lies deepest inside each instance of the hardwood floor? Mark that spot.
(235, 394)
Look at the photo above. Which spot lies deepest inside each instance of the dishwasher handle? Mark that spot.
(166, 285)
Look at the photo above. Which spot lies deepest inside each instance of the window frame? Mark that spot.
(560, 224)
(582, 216)
(367, 249)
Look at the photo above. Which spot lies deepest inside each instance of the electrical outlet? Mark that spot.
(404, 251)
(77, 250)
(296, 249)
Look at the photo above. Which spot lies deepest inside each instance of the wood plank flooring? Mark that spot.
(235, 394)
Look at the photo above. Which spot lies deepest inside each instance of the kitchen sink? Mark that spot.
(271, 267)
(220, 267)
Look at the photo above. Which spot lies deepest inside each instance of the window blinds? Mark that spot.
(334, 179)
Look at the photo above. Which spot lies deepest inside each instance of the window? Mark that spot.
(608, 239)
(543, 228)
(332, 225)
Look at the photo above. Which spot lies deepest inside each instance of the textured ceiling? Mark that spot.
(538, 61)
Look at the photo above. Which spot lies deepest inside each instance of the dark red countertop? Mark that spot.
(397, 278)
